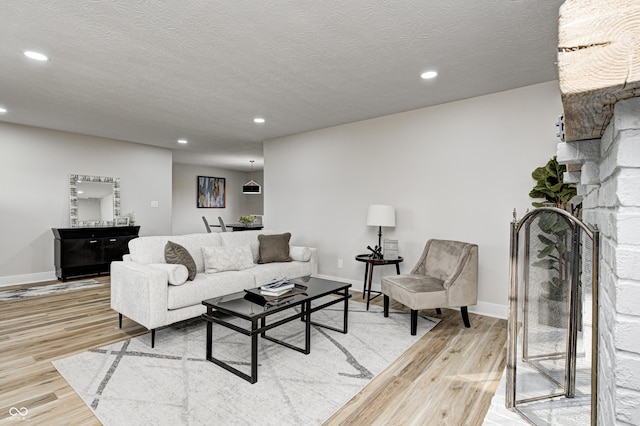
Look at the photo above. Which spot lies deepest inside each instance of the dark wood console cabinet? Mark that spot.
(89, 251)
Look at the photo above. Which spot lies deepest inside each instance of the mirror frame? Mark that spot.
(73, 200)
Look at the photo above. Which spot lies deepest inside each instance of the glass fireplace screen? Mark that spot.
(552, 336)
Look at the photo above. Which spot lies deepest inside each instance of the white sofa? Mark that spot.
(140, 288)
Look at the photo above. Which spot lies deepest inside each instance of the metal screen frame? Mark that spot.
(577, 228)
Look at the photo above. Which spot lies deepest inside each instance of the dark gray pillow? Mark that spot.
(176, 254)
(274, 248)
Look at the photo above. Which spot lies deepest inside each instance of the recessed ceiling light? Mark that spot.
(36, 56)
(429, 74)
(183, 141)
(258, 120)
(3, 110)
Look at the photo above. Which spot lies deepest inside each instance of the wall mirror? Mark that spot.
(93, 200)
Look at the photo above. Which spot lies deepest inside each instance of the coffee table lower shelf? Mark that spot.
(233, 306)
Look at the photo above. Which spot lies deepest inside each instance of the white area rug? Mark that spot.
(129, 383)
(47, 289)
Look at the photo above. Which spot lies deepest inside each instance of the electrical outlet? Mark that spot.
(340, 264)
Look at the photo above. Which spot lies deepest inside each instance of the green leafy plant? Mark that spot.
(247, 220)
(550, 185)
(554, 254)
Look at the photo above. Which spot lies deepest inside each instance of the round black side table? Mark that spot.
(368, 272)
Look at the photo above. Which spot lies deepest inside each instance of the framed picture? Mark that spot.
(212, 192)
(121, 221)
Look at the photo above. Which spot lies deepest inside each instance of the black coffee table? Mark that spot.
(255, 309)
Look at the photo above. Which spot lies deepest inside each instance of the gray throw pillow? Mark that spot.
(274, 248)
(176, 254)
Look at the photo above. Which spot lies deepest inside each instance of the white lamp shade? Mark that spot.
(381, 215)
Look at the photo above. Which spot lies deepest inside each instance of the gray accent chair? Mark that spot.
(446, 276)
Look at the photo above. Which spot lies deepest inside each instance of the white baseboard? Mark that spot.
(27, 278)
(354, 283)
(490, 309)
(483, 308)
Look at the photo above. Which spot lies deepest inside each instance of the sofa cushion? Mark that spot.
(176, 254)
(177, 274)
(218, 259)
(231, 239)
(269, 272)
(150, 249)
(206, 286)
(443, 256)
(415, 291)
(274, 248)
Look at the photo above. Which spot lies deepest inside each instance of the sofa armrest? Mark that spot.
(139, 292)
(314, 261)
(300, 254)
(305, 254)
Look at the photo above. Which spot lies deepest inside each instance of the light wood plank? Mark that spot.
(448, 377)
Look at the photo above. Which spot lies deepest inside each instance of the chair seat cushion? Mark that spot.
(415, 291)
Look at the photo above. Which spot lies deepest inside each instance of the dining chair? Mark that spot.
(206, 224)
(222, 227)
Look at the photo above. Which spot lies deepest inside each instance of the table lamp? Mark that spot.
(381, 215)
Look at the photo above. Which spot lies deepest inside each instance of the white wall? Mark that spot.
(35, 165)
(187, 217)
(453, 171)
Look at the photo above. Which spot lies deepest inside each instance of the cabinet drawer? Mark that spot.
(116, 247)
(82, 252)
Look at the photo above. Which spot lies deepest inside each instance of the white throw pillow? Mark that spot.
(178, 274)
(218, 259)
(302, 254)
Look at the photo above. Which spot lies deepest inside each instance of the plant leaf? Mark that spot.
(540, 174)
(546, 221)
(556, 188)
(546, 264)
(546, 251)
(545, 240)
(551, 169)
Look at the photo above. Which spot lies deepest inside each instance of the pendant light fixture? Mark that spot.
(251, 187)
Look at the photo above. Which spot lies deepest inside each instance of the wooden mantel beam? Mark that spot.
(598, 62)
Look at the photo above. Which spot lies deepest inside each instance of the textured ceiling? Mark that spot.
(155, 71)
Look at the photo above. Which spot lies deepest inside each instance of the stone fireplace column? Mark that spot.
(609, 182)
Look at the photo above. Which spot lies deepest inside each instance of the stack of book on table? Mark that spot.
(276, 288)
(274, 291)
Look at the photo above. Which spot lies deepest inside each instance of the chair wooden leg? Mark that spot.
(438, 311)
(414, 322)
(386, 305)
(465, 316)
(120, 320)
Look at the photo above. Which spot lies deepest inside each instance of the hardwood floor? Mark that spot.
(447, 378)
